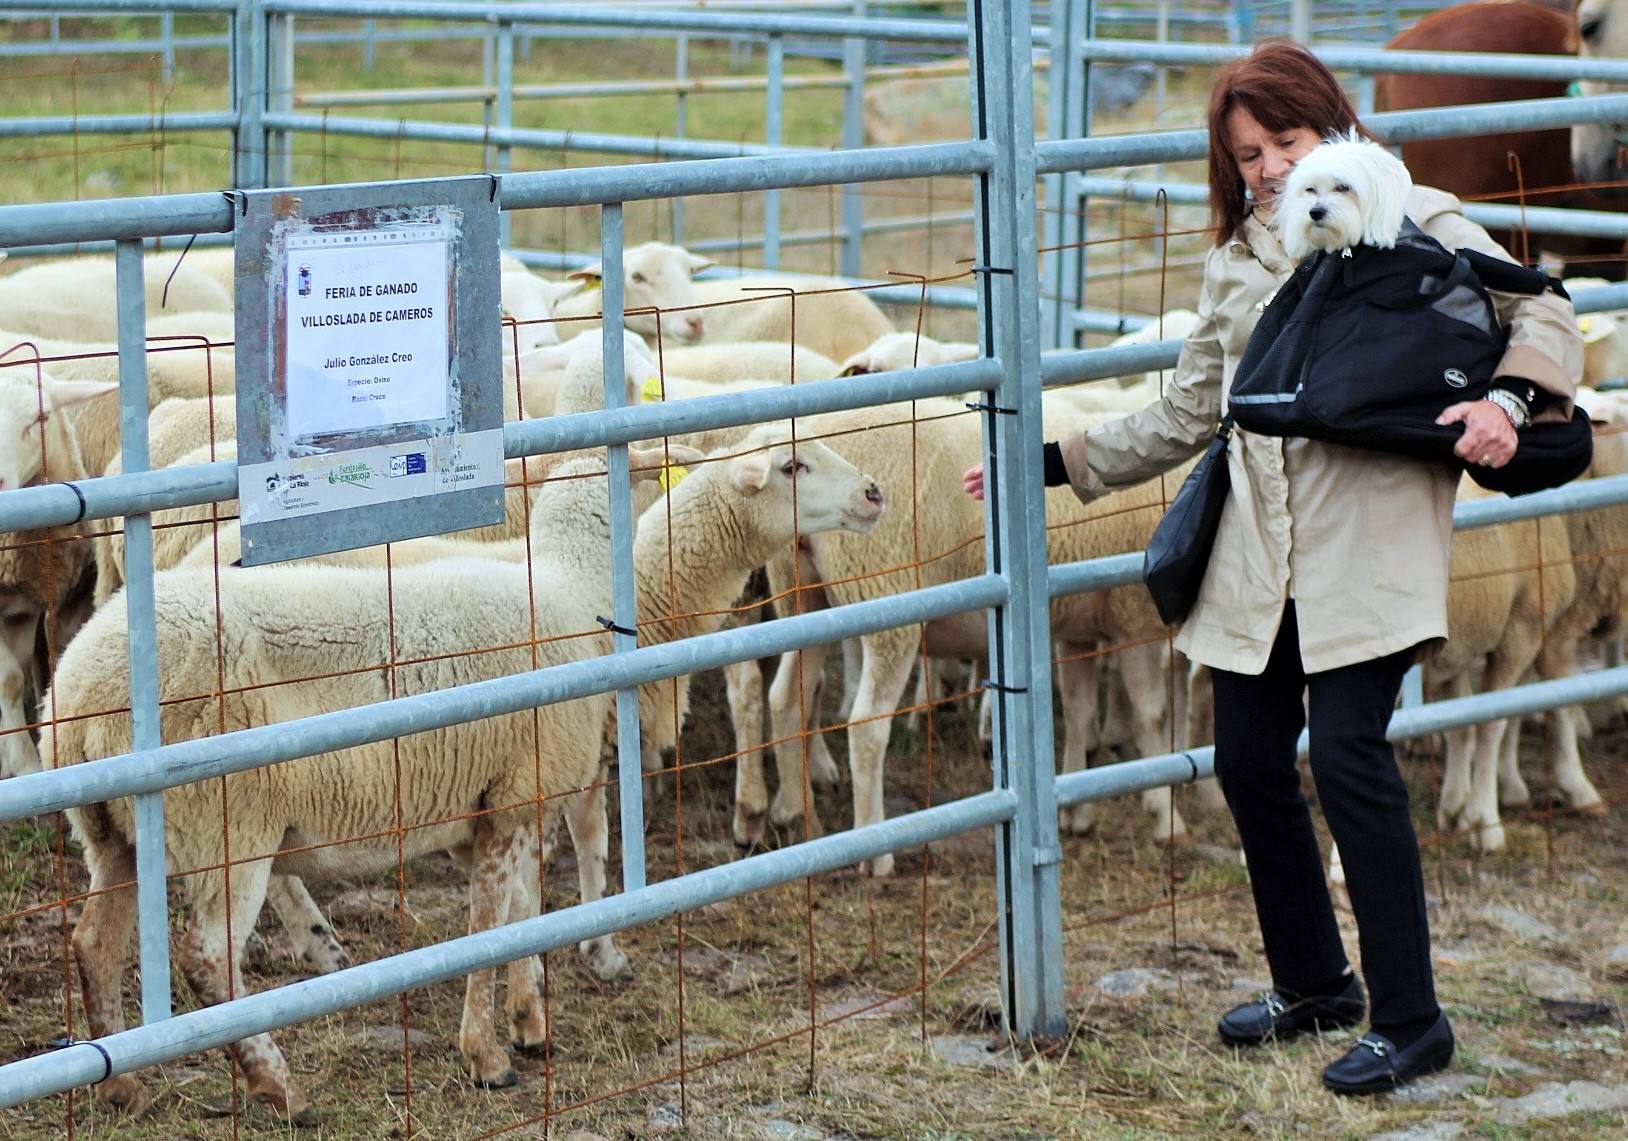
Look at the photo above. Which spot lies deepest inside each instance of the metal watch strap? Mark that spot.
(1513, 406)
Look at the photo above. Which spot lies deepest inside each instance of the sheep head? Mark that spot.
(656, 276)
(804, 487)
(36, 445)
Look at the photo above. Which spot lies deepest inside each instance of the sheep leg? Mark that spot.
(1455, 784)
(214, 970)
(792, 697)
(883, 676)
(101, 940)
(1564, 762)
(743, 684)
(500, 857)
(1198, 717)
(1141, 677)
(528, 1029)
(1512, 790)
(852, 657)
(1077, 685)
(590, 837)
(308, 930)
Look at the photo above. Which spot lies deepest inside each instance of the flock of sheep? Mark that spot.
(241, 647)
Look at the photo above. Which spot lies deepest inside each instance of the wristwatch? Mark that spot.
(1514, 407)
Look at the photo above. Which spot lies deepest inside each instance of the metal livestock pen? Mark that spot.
(1005, 164)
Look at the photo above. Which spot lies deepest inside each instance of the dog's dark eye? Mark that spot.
(1589, 28)
(1342, 188)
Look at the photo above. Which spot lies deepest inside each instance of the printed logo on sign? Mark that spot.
(410, 464)
(351, 473)
(1455, 378)
(305, 281)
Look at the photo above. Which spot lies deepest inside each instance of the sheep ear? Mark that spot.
(594, 272)
(65, 393)
(697, 263)
(750, 473)
(857, 365)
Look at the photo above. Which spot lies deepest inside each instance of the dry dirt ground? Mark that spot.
(850, 1008)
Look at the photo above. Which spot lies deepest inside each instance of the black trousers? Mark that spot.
(1257, 721)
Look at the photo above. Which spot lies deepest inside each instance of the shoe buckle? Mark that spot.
(1378, 1046)
(1275, 1006)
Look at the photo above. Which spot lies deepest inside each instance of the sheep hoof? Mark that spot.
(607, 961)
(1079, 820)
(1488, 838)
(1595, 808)
(530, 1049)
(304, 1119)
(325, 960)
(882, 866)
(822, 771)
(127, 1095)
(504, 1080)
(749, 828)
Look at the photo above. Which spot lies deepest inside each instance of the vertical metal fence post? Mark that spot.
(152, 903)
(505, 115)
(774, 96)
(681, 72)
(166, 33)
(1027, 850)
(1060, 267)
(853, 137)
(280, 97)
(625, 610)
(249, 142)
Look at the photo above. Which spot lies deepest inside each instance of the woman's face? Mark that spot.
(1265, 157)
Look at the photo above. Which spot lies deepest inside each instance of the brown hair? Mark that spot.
(1282, 86)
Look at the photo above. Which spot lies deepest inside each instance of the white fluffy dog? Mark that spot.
(1347, 192)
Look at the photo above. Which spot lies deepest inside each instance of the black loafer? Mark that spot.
(1274, 1018)
(1375, 1065)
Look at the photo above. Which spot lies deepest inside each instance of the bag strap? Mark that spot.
(1510, 277)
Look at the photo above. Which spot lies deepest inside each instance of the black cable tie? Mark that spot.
(238, 199)
(991, 269)
(1193, 764)
(492, 197)
(613, 627)
(107, 1059)
(982, 407)
(79, 495)
(991, 683)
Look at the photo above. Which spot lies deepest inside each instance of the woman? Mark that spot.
(1328, 575)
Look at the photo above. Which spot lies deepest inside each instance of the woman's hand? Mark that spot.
(973, 481)
(1489, 438)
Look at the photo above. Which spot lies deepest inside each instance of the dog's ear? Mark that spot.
(1385, 199)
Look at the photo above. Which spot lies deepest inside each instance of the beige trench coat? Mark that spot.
(1359, 539)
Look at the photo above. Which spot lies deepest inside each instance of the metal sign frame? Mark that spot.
(436, 467)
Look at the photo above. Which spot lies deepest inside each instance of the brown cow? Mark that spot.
(1481, 168)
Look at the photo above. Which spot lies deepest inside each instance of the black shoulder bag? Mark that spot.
(1179, 549)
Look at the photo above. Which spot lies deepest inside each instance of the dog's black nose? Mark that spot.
(1317, 213)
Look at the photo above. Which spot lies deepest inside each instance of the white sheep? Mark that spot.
(730, 514)
(1176, 324)
(74, 299)
(830, 317)
(893, 351)
(655, 281)
(936, 542)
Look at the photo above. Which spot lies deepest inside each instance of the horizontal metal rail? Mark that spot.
(1058, 155)
(184, 762)
(1584, 495)
(721, 24)
(211, 213)
(1418, 721)
(1563, 69)
(1492, 215)
(57, 504)
(169, 122)
(135, 1049)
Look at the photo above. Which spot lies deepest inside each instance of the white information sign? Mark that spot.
(367, 330)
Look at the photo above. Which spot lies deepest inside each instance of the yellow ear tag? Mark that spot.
(651, 393)
(670, 476)
(1584, 325)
